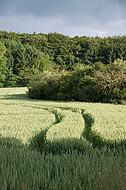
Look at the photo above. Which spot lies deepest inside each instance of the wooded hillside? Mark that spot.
(22, 55)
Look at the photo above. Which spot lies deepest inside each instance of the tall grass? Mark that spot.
(60, 145)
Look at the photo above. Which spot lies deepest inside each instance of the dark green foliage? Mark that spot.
(18, 62)
(25, 54)
(3, 66)
(96, 83)
(111, 82)
(45, 85)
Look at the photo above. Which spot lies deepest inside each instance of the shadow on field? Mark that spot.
(10, 142)
(27, 98)
(95, 139)
(40, 144)
(16, 97)
(90, 140)
(61, 146)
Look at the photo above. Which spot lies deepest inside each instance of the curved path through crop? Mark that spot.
(22, 118)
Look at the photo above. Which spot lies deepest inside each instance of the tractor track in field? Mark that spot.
(61, 115)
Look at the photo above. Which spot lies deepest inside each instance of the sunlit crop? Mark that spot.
(21, 117)
(75, 162)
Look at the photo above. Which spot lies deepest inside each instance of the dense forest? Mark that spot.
(58, 67)
(23, 55)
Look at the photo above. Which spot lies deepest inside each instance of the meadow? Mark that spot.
(60, 145)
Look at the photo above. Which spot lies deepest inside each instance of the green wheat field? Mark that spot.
(60, 145)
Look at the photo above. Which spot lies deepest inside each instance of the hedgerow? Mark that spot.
(96, 83)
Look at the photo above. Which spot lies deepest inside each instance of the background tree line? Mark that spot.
(23, 55)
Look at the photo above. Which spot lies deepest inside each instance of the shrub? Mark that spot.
(111, 82)
(44, 86)
(95, 83)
